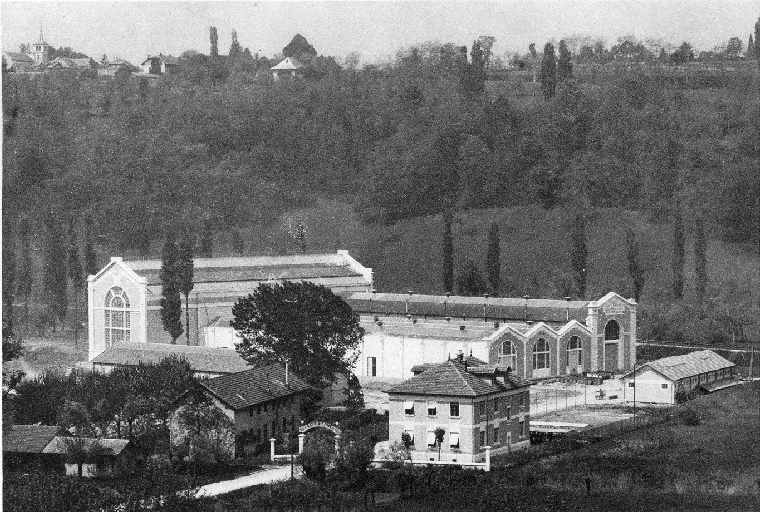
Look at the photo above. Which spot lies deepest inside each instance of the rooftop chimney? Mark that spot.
(460, 355)
(567, 310)
(526, 297)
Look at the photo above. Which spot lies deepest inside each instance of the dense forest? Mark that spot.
(100, 166)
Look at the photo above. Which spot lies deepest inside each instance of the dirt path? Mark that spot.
(265, 476)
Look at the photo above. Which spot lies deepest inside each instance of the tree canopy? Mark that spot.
(305, 324)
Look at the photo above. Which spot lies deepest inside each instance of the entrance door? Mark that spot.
(611, 357)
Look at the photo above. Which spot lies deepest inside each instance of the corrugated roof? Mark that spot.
(60, 445)
(502, 308)
(689, 365)
(451, 379)
(255, 386)
(28, 438)
(201, 359)
(288, 63)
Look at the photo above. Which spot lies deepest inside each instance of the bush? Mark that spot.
(689, 416)
(318, 448)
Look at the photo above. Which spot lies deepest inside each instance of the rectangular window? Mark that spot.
(274, 427)
(266, 437)
(372, 367)
(482, 408)
(631, 384)
(522, 429)
(454, 440)
(454, 409)
(522, 399)
(258, 409)
(431, 409)
(482, 439)
(495, 405)
(430, 438)
(266, 407)
(250, 412)
(509, 412)
(410, 431)
(664, 386)
(496, 435)
(409, 408)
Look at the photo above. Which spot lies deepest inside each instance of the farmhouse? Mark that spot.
(289, 67)
(160, 64)
(476, 406)
(534, 338)
(124, 297)
(673, 379)
(261, 402)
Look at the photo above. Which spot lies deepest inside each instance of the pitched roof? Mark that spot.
(19, 57)
(59, 445)
(288, 63)
(254, 386)
(452, 379)
(546, 310)
(422, 329)
(201, 359)
(28, 438)
(688, 365)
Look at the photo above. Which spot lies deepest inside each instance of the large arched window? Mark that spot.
(508, 355)
(116, 316)
(612, 330)
(574, 352)
(540, 354)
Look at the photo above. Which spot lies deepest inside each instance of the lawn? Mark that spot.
(55, 352)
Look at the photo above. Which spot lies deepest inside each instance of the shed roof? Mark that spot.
(255, 386)
(451, 378)
(59, 445)
(688, 365)
(201, 359)
(28, 438)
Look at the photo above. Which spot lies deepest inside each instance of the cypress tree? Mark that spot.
(214, 37)
(206, 243)
(493, 259)
(235, 49)
(237, 243)
(470, 282)
(564, 64)
(76, 277)
(750, 47)
(185, 271)
(90, 258)
(700, 258)
(678, 252)
(448, 252)
(9, 278)
(477, 71)
(579, 255)
(24, 277)
(548, 72)
(171, 302)
(634, 264)
(55, 283)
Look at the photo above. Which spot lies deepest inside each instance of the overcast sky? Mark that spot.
(375, 30)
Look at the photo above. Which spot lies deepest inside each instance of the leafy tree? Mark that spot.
(486, 47)
(90, 258)
(9, 278)
(206, 242)
(171, 303)
(299, 48)
(317, 450)
(683, 54)
(700, 258)
(76, 276)
(353, 458)
(185, 271)
(579, 254)
(565, 63)
(54, 279)
(470, 283)
(448, 252)
(679, 251)
(493, 259)
(734, 48)
(548, 71)
(214, 37)
(354, 400)
(202, 432)
(476, 76)
(235, 49)
(439, 433)
(635, 270)
(406, 440)
(750, 47)
(302, 323)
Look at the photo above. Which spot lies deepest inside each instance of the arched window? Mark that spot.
(540, 354)
(612, 330)
(574, 352)
(116, 316)
(508, 355)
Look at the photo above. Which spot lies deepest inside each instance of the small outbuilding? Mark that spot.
(671, 380)
(100, 457)
(289, 67)
(24, 445)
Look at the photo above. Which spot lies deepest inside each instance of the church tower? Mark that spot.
(40, 51)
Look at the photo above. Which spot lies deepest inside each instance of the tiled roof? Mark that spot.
(19, 57)
(28, 438)
(689, 365)
(59, 445)
(201, 359)
(254, 386)
(451, 379)
(543, 310)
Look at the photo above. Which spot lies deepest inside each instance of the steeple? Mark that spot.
(42, 39)
(40, 50)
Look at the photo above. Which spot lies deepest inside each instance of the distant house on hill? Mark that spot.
(111, 67)
(288, 67)
(160, 65)
(476, 406)
(672, 379)
(17, 62)
(69, 64)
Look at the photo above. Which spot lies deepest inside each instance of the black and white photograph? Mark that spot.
(391, 256)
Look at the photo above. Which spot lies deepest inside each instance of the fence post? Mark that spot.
(300, 443)
(271, 448)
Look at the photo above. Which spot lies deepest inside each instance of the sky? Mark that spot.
(375, 30)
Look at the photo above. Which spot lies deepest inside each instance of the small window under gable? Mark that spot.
(664, 386)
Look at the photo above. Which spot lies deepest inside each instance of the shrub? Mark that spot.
(318, 447)
(689, 416)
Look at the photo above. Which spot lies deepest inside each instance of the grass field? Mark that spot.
(56, 352)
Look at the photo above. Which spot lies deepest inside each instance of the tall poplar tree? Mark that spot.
(55, 283)
(678, 251)
(9, 278)
(76, 276)
(171, 302)
(24, 276)
(700, 258)
(448, 252)
(565, 63)
(90, 258)
(548, 72)
(635, 271)
(206, 242)
(235, 50)
(493, 259)
(579, 254)
(214, 37)
(185, 271)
